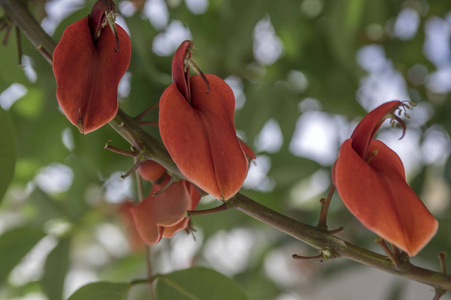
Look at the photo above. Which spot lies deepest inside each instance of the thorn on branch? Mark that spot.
(149, 123)
(442, 257)
(335, 231)
(145, 112)
(325, 203)
(318, 257)
(133, 169)
(132, 153)
(390, 254)
(325, 254)
(224, 206)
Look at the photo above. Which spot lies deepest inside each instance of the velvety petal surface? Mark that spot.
(166, 209)
(88, 74)
(367, 128)
(152, 171)
(378, 195)
(201, 137)
(194, 197)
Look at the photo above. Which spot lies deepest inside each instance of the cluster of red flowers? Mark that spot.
(196, 123)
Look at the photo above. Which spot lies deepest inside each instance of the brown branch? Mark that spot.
(150, 148)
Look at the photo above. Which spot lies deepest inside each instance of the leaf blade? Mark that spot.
(197, 283)
(101, 291)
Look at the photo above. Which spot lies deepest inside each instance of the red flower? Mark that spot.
(197, 127)
(163, 214)
(152, 171)
(88, 64)
(370, 179)
(135, 241)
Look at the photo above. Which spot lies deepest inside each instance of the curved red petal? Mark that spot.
(152, 171)
(165, 210)
(201, 137)
(247, 150)
(88, 74)
(369, 125)
(379, 197)
(180, 72)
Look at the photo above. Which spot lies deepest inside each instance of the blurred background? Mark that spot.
(303, 73)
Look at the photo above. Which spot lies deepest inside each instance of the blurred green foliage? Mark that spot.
(319, 38)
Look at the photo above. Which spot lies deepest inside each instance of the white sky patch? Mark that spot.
(117, 189)
(440, 81)
(76, 278)
(157, 13)
(372, 58)
(383, 83)
(229, 252)
(408, 148)
(112, 239)
(257, 178)
(13, 93)
(165, 43)
(406, 24)
(197, 7)
(127, 8)
(310, 187)
(58, 11)
(31, 267)
(315, 137)
(436, 145)
(236, 84)
(309, 103)
(270, 138)
(68, 139)
(268, 47)
(436, 46)
(280, 269)
(420, 114)
(121, 22)
(55, 178)
(27, 63)
(123, 89)
(184, 247)
(297, 81)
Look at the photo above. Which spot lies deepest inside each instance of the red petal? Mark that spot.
(135, 241)
(378, 195)
(164, 210)
(367, 128)
(180, 72)
(194, 197)
(201, 137)
(247, 150)
(88, 74)
(152, 171)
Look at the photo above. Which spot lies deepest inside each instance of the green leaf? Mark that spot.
(7, 153)
(14, 245)
(198, 284)
(101, 291)
(55, 270)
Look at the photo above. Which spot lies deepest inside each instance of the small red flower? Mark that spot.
(197, 127)
(88, 63)
(162, 214)
(152, 171)
(370, 179)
